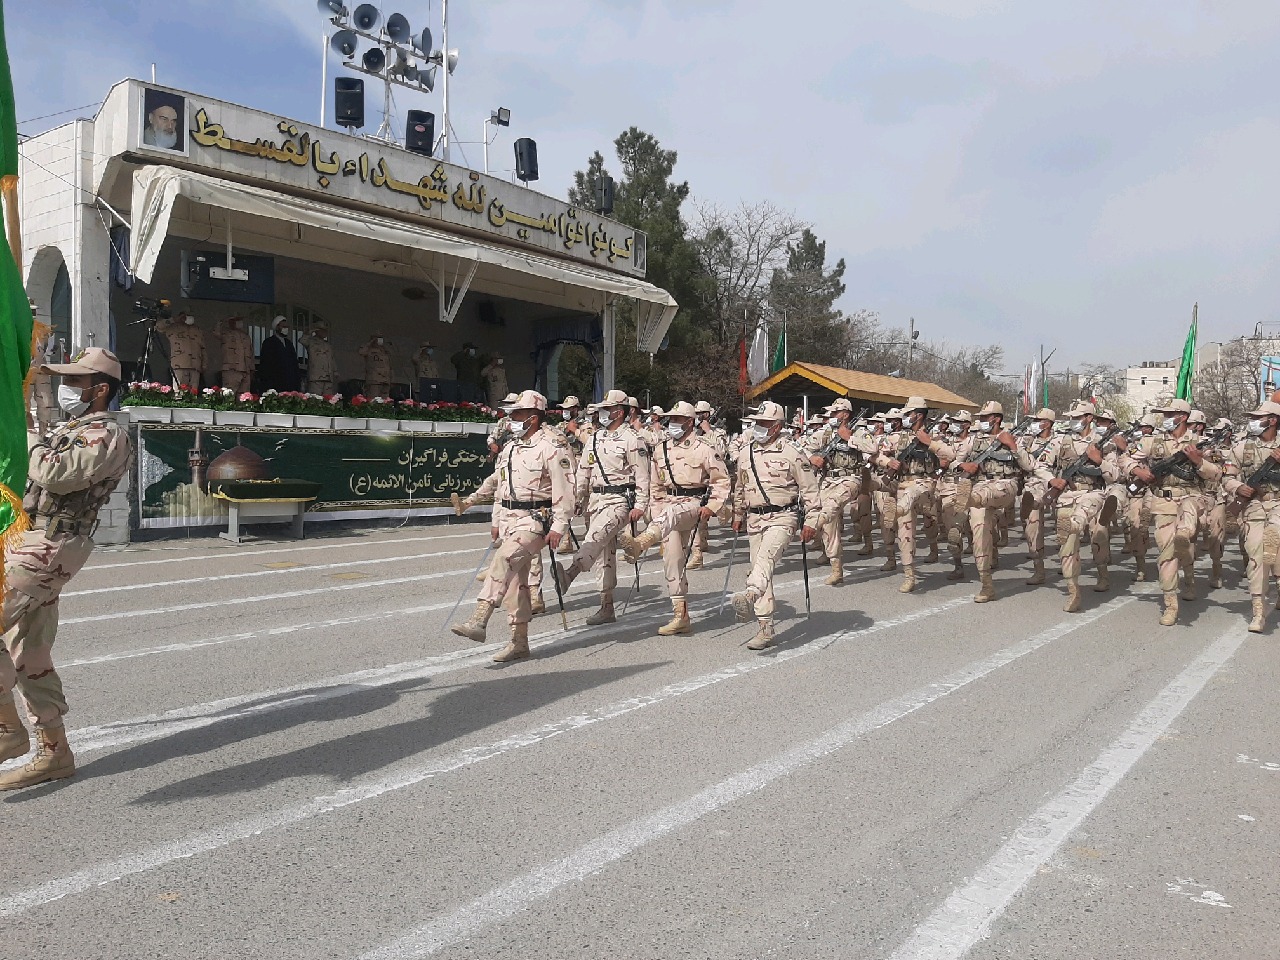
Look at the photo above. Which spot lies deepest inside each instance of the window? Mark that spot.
(1165, 381)
(1144, 381)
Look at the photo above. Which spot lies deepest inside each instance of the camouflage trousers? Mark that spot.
(1139, 519)
(238, 380)
(1033, 530)
(1213, 512)
(186, 377)
(509, 574)
(676, 519)
(987, 502)
(1177, 522)
(915, 499)
(35, 573)
(1261, 523)
(953, 517)
(834, 495)
(769, 535)
(1078, 512)
(534, 580)
(607, 514)
(886, 501)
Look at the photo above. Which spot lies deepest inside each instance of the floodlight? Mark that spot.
(366, 17)
(345, 42)
(502, 117)
(397, 28)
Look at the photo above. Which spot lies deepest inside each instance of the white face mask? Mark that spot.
(833, 422)
(69, 400)
(471, 352)
(982, 426)
(759, 431)
(675, 430)
(955, 429)
(519, 428)
(566, 415)
(1170, 424)
(603, 418)
(1077, 426)
(1257, 428)
(189, 321)
(379, 341)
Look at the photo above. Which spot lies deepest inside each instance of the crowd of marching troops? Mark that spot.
(929, 481)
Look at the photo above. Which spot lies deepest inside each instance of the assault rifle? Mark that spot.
(1268, 472)
(1078, 464)
(911, 449)
(836, 439)
(1162, 468)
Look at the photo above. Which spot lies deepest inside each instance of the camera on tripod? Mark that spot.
(151, 309)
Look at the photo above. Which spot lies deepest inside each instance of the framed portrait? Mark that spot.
(164, 121)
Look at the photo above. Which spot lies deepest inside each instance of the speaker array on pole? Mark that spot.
(526, 159)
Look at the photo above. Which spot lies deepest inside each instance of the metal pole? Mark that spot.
(484, 136)
(911, 345)
(444, 69)
(324, 77)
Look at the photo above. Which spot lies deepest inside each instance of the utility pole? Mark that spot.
(911, 345)
(444, 65)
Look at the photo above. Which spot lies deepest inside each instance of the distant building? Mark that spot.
(1150, 383)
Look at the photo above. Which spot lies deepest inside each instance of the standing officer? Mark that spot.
(994, 487)
(913, 460)
(322, 371)
(495, 378)
(615, 472)
(186, 348)
(468, 364)
(424, 363)
(237, 355)
(377, 367)
(841, 455)
(535, 481)
(1037, 445)
(776, 484)
(689, 483)
(1258, 490)
(72, 474)
(1174, 473)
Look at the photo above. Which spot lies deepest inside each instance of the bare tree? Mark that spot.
(1229, 386)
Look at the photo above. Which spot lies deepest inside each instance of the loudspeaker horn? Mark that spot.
(452, 61)
(345, 42)
(397, 28)
(427, 79)
(422, 42)
(366, 17)
(374, 59)
(331, 8)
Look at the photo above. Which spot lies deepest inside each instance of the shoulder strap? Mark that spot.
(756, 473)
(595, 452)
(666, 455)
(511, 486)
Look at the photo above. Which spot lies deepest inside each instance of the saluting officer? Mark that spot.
(776, 483)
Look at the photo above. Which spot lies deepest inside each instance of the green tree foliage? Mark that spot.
(805, 292)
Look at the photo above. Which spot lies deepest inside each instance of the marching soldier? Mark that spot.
(1138, 518)
(322, 371)
(841, 454)
(953, 516)
(1174, 472)
(992, 468)
(1213, 505)
(73, 472)
(186, 348)
(535, 481)
(776, 484)
(1037, 446)
(1251, 475)
(500, 432)
(913, 461)
(688, 483)
(377, 367)
(237, 355)
(719, 440)
(615, 472)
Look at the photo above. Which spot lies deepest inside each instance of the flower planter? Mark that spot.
(384, 425)
(149, 414)
(349, 423)
(233, 418)
(448, 426)
(309, 422)
(417, 426)
(480, 428)
(192, 415)
(273, 419)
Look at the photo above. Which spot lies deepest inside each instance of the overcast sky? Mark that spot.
(1016, 171)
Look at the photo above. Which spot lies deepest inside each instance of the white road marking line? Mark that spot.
(305, 568)
(371, 788)
(968, 913)
(517, 895)
(231, 553)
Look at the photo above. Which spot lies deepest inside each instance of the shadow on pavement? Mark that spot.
(457, 713)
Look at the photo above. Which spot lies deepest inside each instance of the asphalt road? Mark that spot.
(283, 752)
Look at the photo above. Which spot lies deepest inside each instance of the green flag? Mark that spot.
(780, 353)
(15, 324)
(1187, 368)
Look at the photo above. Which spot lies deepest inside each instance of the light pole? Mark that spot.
(499, 118)
(912, 335)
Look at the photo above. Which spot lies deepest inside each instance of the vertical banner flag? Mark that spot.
(758, 356)
(743, 381)
(780, 352)
(1186, 369)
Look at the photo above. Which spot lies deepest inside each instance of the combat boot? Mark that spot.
(837, 573)
(14, 739)
(53, 761)
(764, 636)
(868, 548)
(679, 622)
(1259, 620)
(566, 575)
(633, 548)
(1073, 596)
(1170, 615)
(518, 648)
(566, 546)
(1037, 572)
(957, 570)
(1188, 584)
(891, 562)
(987, 592)
(473, 629)
(1104, 579)
(605, 613)
(908, 579)
(744, 605)
(460, 504)
(933, 553)
(536, 604)
(1215, 575)
(695, 559)
(1141, 575)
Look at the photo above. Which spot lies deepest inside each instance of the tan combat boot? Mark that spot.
(53, 761)
(536, 604)
(695, 559)
(987, 592)
(1073, 596)
(1104, 579)
(1188, 583)
(891, 562)
(14, 739)
(566, 546)
(744, 605)
(1037, 572)
(679, 622)
(957, 570)
(1259, 620)
(1170, 615)
(837, 573)
(460, 504)
(909, 580)
(473, 629)
(868, 548)
(1215, 575)
(605, 613)
(518, 648)
(566, 575)
(633, 548)
(764, 636)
